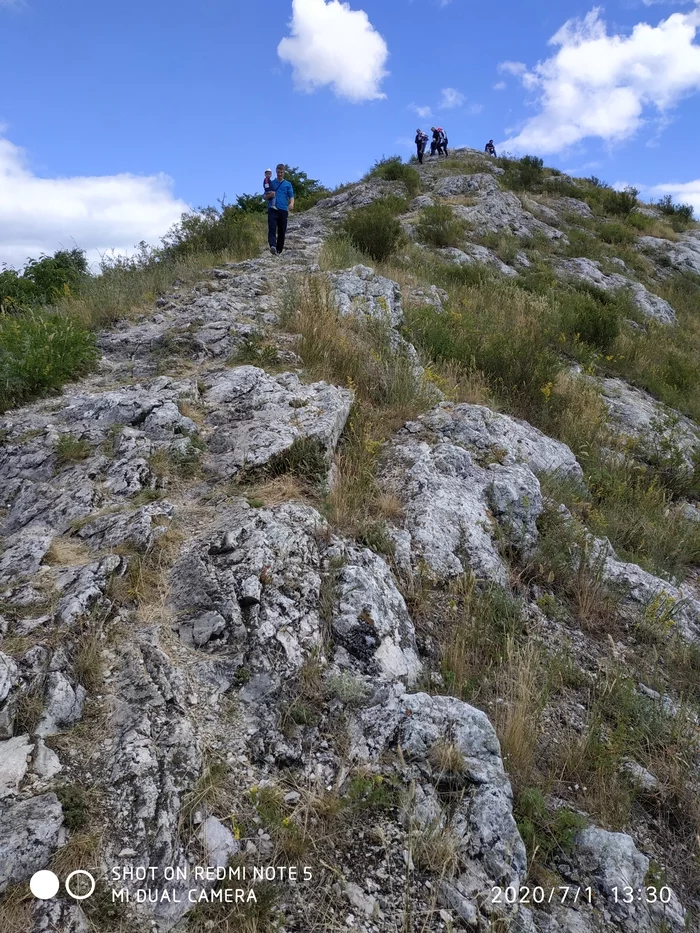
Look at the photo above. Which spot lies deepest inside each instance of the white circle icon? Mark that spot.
(44, 885)
(80, 897)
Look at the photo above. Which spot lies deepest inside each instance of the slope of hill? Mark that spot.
(379, 576)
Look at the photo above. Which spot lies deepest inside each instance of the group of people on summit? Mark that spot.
(279, 194)
(439, 144)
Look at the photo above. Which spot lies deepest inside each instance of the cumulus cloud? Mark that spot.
(513, 68)
(682, 192)
(608, 86)
(98, 213)
(330, 44)
(423, 112)
(451, 98)
(500, 86)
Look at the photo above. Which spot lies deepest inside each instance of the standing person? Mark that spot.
(490, 148)
(277, 218)
(442, 146)
(435, 141)
(269, 194)
(421, 142)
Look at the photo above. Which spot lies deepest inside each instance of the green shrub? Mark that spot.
(682, 212)
(617, 233)
(213, 230)
(620, 202)
(39, 352)
(393, 169)
(374, 229)
(438, 226)
(525, 174)
(70, 449)
(595, 322)
(501, 331)
(42, 281)
(546, 833)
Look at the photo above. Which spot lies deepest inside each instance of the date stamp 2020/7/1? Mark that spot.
(527, 894)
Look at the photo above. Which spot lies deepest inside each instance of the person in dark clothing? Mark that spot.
(421, 143)
(490, 148)
(443, 142)
(283, 194)
(439, 143)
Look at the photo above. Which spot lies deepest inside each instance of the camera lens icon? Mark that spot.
(45, 884)
(79, 894)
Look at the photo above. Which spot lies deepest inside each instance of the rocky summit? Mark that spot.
(358, 594)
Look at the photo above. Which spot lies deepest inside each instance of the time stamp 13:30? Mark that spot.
(572, 894)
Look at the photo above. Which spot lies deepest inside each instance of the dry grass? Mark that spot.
(67, 552)
(88, 664)
(81, 851)
(16, 909)
(520, 686)
(145, 582)
(446, 757)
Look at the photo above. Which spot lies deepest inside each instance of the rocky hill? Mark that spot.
(379, 577)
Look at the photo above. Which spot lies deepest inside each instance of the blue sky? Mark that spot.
(114, 119)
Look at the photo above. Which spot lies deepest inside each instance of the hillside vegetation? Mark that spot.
(380, 557)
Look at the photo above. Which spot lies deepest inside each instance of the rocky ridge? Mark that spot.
(274, 652)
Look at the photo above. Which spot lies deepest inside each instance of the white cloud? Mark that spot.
(98, 213)
(333, 45)
(451, 98)
(607, 85)
(512, 68)
(475, 109)
(682, 193)
(500, 86)
(422, 112)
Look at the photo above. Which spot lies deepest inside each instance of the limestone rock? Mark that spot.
(360, 291)
(489, 844)
(589, 271)
(63, 705)
(29, 833)
(139, 529)
(371, 620)
(613, 860)
(218, 842)
(492, 435)
(14, 763)
(257, 416)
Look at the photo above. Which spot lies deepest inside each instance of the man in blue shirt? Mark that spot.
(283, 194)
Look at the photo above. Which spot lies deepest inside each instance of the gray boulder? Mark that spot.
(613, 861)
(360, 291)
(589, 271)
(29, 834)
(255, 416)
(63, 705)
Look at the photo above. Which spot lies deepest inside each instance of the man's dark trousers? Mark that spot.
(277, 228)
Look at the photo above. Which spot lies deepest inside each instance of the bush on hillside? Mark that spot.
(617, 233)
(593, 320)
(393, 169)
(681, 212)
(524, 174)
(43, 280)
(438, 226)
(210, 230)
(620, 202)
(374, 229)
(39, 352)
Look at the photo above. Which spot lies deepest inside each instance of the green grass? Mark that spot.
(374, 229)
(39, 352)
(393, 169)
(438, 226)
